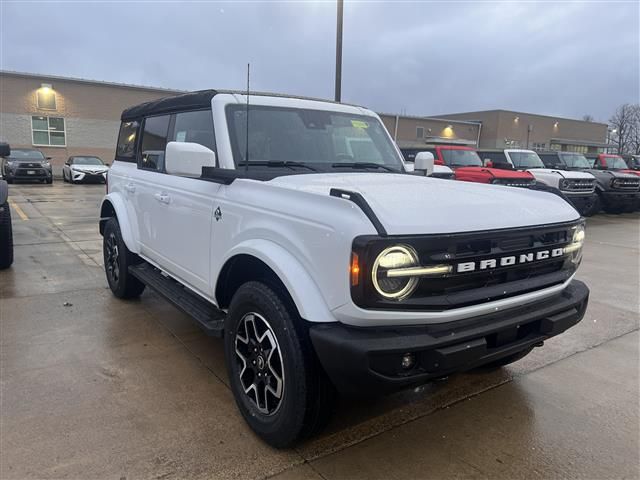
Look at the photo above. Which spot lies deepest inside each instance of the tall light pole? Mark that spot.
(339, 51)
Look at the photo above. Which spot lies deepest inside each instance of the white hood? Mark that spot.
(409, 205)
(572, 174)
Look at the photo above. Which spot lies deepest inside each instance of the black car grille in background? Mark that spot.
(471, 288)
(515, 182)
(583, 185)
(626, 184)
(24, 172)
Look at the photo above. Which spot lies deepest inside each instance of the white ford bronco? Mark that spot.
(289, 227)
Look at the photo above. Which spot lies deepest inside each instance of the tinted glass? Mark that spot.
(322, 138)
(154, 142)
(195, 127)
(460, 158)
(526, 160)
(616, 163)
(86, 161)
(127, 141)
(550, 160)
(17, 154)
(575, 160)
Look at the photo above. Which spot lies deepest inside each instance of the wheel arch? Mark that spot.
(113, 206)
(266, 261)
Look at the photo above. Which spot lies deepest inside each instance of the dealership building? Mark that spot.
(68, 116)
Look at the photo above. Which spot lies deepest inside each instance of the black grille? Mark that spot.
(474, 287)
(25, 171)
(515, 182)
(582, 185)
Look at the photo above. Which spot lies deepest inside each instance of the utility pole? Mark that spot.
(339, 51)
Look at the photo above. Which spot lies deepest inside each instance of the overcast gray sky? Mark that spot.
(425, 58)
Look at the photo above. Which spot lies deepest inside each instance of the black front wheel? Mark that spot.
(6, 237)
(278, 384)
(117, 259)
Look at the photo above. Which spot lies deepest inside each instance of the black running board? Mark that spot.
(210, 318)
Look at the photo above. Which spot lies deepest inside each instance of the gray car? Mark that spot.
(26, 164)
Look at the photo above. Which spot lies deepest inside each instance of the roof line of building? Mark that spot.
(519, 113)
(418, 117)
(89, 81)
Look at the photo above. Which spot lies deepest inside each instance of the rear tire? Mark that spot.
(278, 384)
(6, 237)
(117, 260)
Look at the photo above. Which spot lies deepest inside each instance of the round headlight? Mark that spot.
(397, 288)
(564, 184)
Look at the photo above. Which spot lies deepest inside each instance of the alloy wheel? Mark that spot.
(260, 364)
(111, 262)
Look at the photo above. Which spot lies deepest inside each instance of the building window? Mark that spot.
(48, 131)
(46, 98)
(419, 132)
(539, 146)
(555, 146)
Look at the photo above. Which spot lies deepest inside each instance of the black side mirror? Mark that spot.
(5, 149)
(47, 158)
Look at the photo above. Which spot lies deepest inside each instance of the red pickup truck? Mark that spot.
(469, 168)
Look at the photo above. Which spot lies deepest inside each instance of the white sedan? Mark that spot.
(83, 168)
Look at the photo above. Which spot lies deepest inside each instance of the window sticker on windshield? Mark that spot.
(359, 124)
(181, 136)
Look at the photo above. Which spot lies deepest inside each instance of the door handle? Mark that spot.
(163, 198)
(130, 187)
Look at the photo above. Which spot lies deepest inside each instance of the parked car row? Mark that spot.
(604, 183)
(30, 164)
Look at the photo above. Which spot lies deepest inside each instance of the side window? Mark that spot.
(154, 142)
(195, 127)
(126, 148)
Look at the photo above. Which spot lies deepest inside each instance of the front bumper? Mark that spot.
(368, 360)
(583, 203)
(88, 177)
(21, 173)
(620, 199)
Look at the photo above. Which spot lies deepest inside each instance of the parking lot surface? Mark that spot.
(95, 387)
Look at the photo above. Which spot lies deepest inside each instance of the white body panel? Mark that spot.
(552, 177)
(302, 233)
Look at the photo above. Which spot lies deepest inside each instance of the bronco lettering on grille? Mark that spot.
(509, 260)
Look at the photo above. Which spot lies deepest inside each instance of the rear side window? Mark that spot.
(195, 127)
(154, 142)
(126, 148)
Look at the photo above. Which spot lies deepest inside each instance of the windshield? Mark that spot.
(526, 160)
(17, 154)
(460, 158)
(87, 161)
(319, 139)
(575, 160)
(616, 163)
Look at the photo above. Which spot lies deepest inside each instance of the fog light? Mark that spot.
(408, 361)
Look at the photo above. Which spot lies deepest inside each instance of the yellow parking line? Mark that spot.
(17, 208)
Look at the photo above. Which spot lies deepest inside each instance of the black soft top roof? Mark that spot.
(186, 101)
(197, 100)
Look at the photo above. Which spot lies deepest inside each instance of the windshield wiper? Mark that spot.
(278, 163)
(363, 165)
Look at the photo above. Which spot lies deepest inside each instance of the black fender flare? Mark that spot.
(4, 192)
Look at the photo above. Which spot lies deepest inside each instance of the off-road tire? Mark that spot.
(6, 237)
(121, 282)
(49, 181)
(308, 396)
(508, 359)
(595, 207)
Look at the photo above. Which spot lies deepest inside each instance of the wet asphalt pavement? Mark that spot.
(95, 387)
